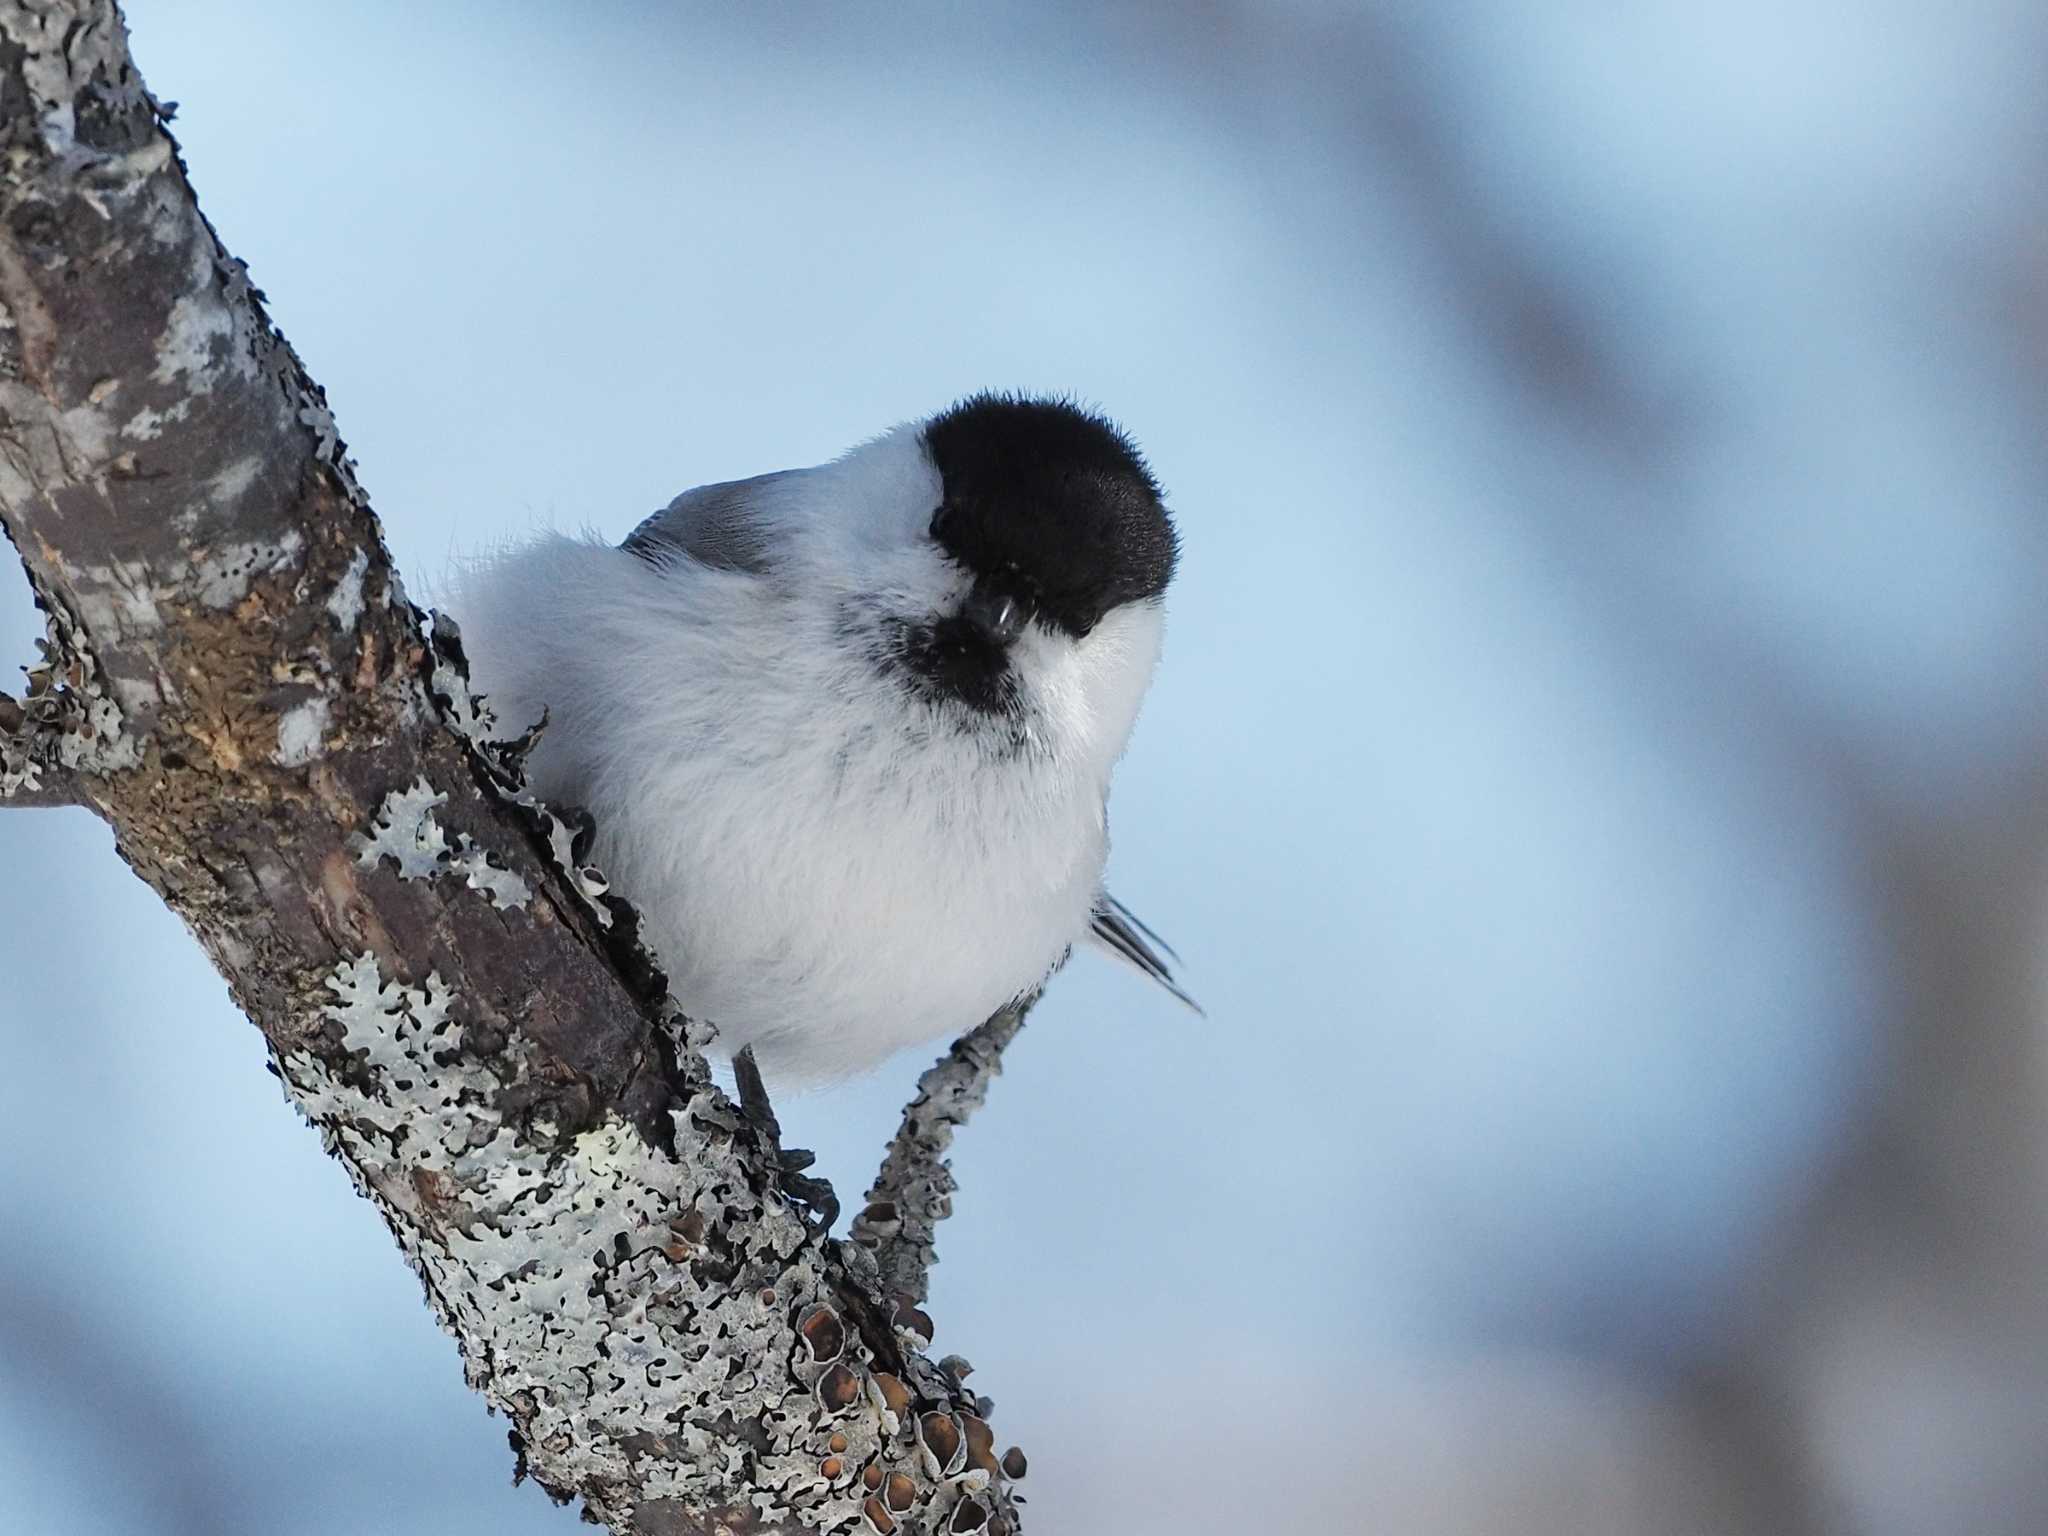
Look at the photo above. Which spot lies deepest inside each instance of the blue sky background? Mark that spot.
(1601, 725)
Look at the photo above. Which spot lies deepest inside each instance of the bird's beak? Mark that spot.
(996, 616)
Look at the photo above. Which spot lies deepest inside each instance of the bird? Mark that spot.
(844, 734)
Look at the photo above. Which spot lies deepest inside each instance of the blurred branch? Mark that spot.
(255, 707)
(141, 1427)
(913, 1192)
(1394, 122)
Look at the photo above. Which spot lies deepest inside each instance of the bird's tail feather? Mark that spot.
(1119, 931)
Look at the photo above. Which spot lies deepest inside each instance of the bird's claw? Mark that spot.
(583, 832)
(814, 1194)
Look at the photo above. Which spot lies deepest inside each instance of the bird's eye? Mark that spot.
(939, 519)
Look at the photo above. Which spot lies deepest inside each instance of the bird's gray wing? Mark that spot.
(715, 525)
(1116, 928)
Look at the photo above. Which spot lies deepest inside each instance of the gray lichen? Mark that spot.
(346, 601)
(913, 1192)
(468, 714)
(188, 347)
(221, 576)
(301, 731)
(406, 833)
(21, 772)
(64, 55)
(658, 1326)
(66, 718)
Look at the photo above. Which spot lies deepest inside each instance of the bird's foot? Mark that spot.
(814, 1194)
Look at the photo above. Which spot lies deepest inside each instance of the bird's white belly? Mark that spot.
(831, 913)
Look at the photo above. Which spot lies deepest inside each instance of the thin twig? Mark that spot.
(913, 1192)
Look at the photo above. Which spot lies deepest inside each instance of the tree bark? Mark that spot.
(291, 759)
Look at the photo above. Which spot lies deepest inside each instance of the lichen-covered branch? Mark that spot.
(50, 733)
(235, 682)
(913, 1192)
(46, 789)
(27, 777)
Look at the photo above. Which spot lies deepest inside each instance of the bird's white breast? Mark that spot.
(829, 867)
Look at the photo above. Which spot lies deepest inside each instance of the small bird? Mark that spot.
(845, 733)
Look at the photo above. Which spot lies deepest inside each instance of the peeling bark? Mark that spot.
(235, 682)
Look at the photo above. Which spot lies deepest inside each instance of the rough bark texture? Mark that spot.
(236, 683)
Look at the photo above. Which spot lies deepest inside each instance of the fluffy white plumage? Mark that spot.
(829, 864)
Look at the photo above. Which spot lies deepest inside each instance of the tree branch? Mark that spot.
(51, 788)
(913, 1192)
(289, 758)
(32, 769)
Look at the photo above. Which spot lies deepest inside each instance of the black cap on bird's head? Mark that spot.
(1051, 509)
